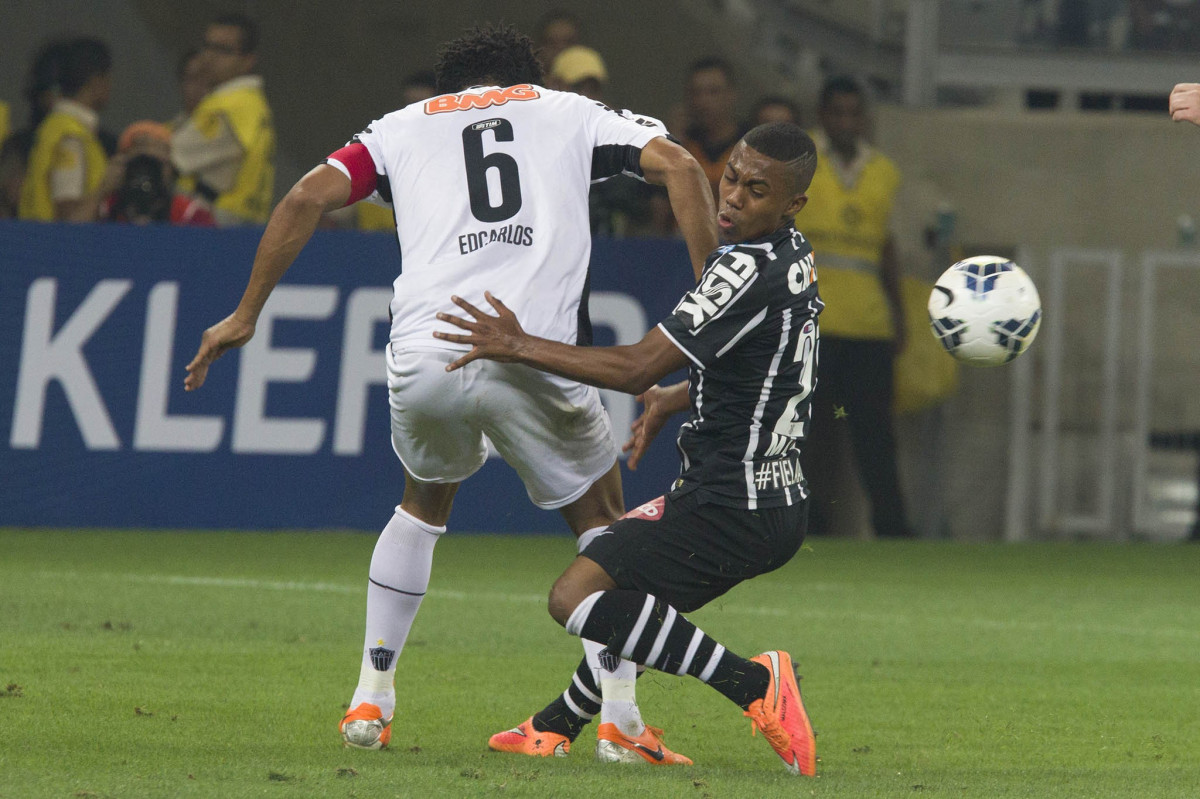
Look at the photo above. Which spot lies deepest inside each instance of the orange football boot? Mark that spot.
(781, 717)
(614, 746)
(523, 739)
(365, 728)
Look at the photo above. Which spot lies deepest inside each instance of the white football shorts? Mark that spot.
(555, 433)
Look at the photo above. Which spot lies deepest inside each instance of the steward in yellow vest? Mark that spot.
(847, 221)
(228, 144)
(67, 162)
(228, 147)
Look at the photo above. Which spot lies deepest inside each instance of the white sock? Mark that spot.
(399, 576)
(617, 688)
(620, 700)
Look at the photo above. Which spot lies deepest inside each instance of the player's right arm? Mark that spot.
(1184, 103)
(631, 368)
(665, 163)
(292, 224)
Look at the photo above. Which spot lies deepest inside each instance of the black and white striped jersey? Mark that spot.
(750, 330)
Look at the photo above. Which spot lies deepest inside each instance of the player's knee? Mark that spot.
(557, 607)
(562, 602)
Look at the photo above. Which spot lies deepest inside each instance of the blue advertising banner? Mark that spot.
(97, 323)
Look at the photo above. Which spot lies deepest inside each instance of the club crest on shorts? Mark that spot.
(381, 658)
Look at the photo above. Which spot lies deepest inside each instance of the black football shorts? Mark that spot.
(688, 552)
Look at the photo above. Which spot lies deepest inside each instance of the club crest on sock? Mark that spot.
(609, 661)
(381, 658)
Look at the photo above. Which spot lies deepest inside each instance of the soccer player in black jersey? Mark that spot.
(748, 335)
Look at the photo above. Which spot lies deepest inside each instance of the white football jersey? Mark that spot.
(490, 191)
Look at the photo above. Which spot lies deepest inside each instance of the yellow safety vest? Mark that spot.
(369, 216)
(48, 155)
(848, 227)
(4, 121)
(248, 115)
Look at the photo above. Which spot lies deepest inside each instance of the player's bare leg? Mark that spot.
(599, 507)
(399, 575)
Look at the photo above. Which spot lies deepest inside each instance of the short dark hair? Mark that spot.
(840, 84)
(44, 75)
(712, 62)
(498, 53)
(788, 143)
(80, 60)
(247, 28)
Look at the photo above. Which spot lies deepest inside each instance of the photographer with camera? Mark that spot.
(144, 182)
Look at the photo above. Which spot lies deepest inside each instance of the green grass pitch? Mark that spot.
(148, 664)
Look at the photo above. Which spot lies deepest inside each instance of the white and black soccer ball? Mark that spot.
(985, 310)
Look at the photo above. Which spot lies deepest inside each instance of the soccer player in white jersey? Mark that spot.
(748, 334)
(489, 183)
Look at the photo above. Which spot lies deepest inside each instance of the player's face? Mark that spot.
(756, 196)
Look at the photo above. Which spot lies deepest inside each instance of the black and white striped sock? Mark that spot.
(574, 708)
(644, 629)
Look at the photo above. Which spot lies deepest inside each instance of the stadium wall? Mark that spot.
(97, 323)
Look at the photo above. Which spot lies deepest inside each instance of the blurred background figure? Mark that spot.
(848, 222)
(1165, 24)
(228, 143)
(581, 70)
(621, 205)
(555, 32)
(416, 88)
(5, 121)
(774, 108)
(710, 102)
(145, 182)
(40, 92)
(12, 169)
(193, 85)
(66, 162)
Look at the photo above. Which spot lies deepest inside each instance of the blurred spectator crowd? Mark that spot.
(212, 162)
(1163, 25)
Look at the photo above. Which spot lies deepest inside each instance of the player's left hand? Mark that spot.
(1184, 103)
(497, 338)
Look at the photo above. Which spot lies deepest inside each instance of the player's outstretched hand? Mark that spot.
(646, 426)
(1184, 103)
(230, 332)
(497, 338)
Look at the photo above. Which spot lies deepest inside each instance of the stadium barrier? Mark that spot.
(1104, 437)
(97, 323)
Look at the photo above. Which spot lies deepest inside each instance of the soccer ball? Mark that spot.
(985, 310)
